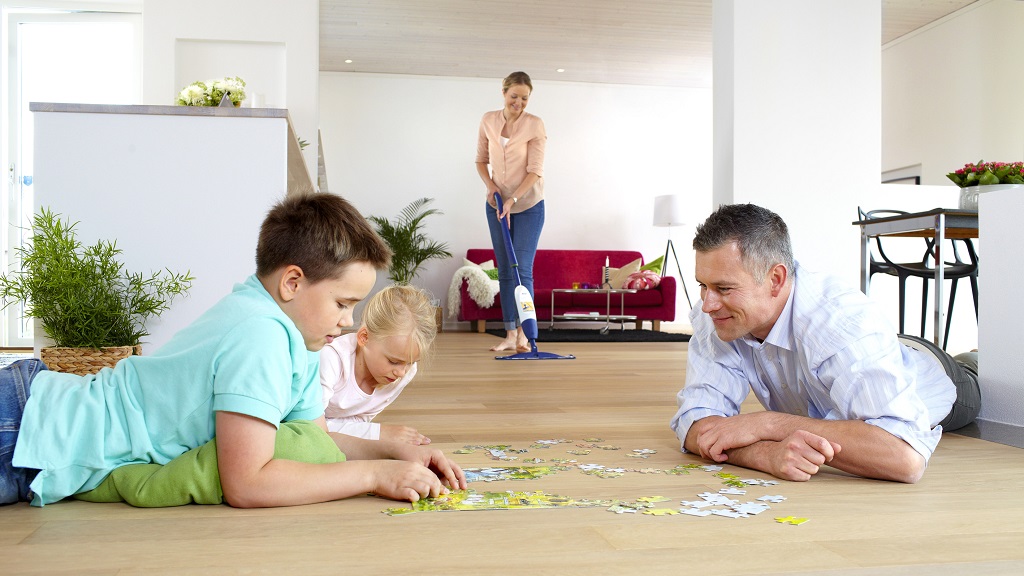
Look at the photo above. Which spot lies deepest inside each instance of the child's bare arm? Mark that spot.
(252, 478)
(358, 449)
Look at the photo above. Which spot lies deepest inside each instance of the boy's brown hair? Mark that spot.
(320, 233)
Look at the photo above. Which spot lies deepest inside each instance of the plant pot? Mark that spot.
(82, 361)
(969, 195)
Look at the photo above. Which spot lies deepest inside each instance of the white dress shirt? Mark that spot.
(831, 355)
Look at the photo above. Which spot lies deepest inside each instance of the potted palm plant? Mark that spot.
(410, 247)
(93, 309)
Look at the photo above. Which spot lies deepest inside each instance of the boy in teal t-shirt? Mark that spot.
(240, 370)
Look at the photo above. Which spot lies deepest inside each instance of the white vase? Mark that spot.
(969, 195)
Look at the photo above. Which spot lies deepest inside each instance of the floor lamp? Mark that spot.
(668, 213)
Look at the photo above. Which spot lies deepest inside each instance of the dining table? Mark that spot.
(937, 223)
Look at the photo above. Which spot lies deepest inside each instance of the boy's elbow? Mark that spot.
(235, 499)
(242, 497)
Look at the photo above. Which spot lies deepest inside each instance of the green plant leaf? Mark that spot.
(84, 296)
(988, 179)
(410, 245)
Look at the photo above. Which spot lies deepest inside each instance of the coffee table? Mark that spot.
(608, 317)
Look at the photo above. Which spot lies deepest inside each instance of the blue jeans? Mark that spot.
(525, 229)
(15, 382)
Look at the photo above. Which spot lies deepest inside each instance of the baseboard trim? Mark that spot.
(997, 432)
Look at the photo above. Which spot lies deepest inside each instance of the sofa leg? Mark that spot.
(656, 325)
(481, 326)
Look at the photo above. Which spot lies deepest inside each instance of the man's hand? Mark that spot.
(716, 435)
(397, 433)
(798, 456)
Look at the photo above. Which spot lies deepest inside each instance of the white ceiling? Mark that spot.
(645, 42)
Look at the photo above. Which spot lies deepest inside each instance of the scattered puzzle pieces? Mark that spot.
(751, 508)
(791, 520)
(695, 511)
(660, 512)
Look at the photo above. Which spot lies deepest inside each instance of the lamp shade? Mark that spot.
(668, 210)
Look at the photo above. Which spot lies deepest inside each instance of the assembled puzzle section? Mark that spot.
(732, 501)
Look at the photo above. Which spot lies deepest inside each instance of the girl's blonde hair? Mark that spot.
(402, 310)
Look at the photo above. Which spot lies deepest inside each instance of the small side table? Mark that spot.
(608, 317)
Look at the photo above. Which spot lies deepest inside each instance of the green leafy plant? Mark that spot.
(410, 245)
(988, 173)
(84, 297)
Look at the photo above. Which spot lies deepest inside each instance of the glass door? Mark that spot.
(91, 58)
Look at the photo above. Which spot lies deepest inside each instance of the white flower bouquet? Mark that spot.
(211, 92)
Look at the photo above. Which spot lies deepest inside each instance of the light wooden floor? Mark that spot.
(965, 517)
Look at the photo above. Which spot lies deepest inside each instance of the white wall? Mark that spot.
(273, 46)
(611, 149)
(797, 118)
(1001, 365)
(798, 130)
(949, 99)
(140, 179)
(951, 94)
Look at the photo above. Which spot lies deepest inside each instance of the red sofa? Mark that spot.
(559, 269)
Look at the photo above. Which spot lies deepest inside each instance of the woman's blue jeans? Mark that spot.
(525, 229)
(15, 384)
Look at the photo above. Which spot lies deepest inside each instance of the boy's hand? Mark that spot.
(400, 480)
(434, 459)
(405, 434)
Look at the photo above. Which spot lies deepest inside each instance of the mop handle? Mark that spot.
(508, 238)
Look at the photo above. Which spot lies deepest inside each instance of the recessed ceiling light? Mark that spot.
(560, 70)
(348, 61)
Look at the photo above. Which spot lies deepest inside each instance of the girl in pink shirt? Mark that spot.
(363, 372)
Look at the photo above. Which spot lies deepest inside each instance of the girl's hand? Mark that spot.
(405, 434)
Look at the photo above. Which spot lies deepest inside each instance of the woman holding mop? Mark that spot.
(510, 162)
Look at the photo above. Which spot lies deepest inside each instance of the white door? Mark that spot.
(92, 58)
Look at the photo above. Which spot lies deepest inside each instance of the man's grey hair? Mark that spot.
(761, 235)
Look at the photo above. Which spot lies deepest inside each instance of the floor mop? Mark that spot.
(524, 303)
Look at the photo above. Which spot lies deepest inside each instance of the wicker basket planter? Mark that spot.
(84, 361)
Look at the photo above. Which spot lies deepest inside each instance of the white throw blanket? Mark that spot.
(481, 289)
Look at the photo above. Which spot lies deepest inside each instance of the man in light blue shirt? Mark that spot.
(837, 385)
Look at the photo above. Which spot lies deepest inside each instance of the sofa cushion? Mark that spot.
(617, 277)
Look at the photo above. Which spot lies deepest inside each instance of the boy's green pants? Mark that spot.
(194, 477)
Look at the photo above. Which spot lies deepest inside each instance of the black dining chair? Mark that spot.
(953, 271)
